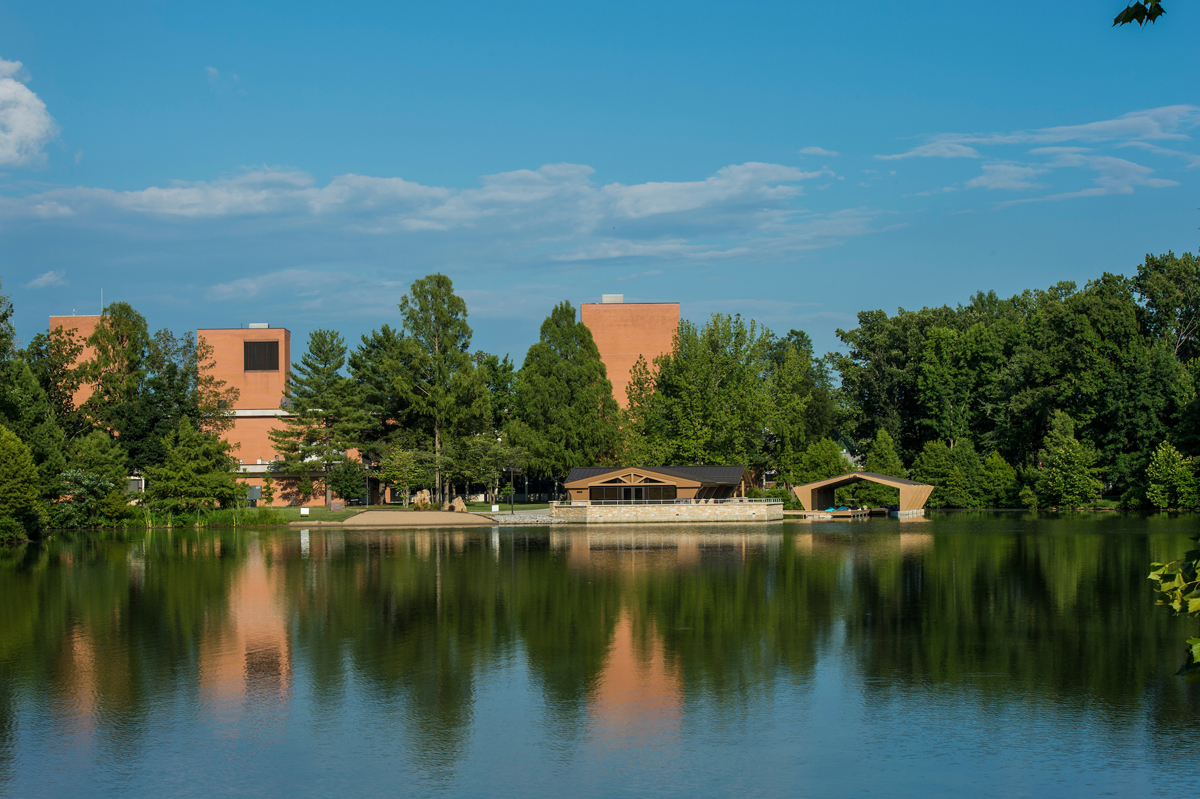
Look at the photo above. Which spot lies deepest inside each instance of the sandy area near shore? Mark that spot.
(416, 518)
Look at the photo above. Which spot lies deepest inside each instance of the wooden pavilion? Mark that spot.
(626, 484)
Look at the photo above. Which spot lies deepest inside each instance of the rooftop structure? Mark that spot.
(623, 331)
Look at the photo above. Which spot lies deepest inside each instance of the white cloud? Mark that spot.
(46, 279)
(817, 151)
(1191, 159)
(221, 82)
(1067, 146)
(1113, 176)
(1168, 122)
(1006, 176)
(935, 149)
(557, 210)
(25, 125)
(650, 273)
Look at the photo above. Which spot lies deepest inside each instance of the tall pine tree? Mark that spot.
(566, 414)
(436, 377)
(324, 417)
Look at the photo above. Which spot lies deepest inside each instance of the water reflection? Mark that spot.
(449, 657)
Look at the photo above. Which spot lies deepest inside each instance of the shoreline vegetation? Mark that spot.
(271, 518)
(1064, 397)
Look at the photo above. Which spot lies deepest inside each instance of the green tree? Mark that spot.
(374, 367)
(1169, 287)
(945, 385)
(1171, 479)
(882, 458)
(53, 358)
(305, 488)
(348, 479)
(87, 502)
(500, 377)
(1066, 477)
(120, 344)
(786, 425)
(956, 473)
(268, 489)
(822, 459)
(324, 419)
(94, 484)
(8, 333)
(999, 488)
(481, 459)
(1141, 12)
(197, 474)
(566, 414)
(20, 510)
(26, 411)
(402, 469)
(99, 454)
(177, 381)
(438, 379)
(711, 399)
(643, 437)
(821, 408)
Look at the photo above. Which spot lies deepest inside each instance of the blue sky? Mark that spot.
(302, 163)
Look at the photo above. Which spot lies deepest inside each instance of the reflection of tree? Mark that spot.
(1052, 614)
(730, 625)
(414, 621)
(113, 621)
(415, 617)
(566, 622)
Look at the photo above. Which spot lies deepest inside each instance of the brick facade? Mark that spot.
(623, 331)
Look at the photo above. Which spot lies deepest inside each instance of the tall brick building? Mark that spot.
(82, 327)
(623, 331)
(255, 360)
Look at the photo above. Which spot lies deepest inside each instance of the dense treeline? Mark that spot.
(1075, 388)
(1058, 397)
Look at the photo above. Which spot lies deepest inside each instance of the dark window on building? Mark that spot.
(602, 493)
(615, 493)
(262, 356)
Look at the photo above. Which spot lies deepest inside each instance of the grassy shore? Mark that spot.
(486, 507)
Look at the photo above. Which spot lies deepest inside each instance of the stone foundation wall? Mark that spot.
(904, 514)
(643, 514)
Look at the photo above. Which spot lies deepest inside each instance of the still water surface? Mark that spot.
(967, 655)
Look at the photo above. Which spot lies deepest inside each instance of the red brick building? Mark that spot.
(255, 360)
(623, 331)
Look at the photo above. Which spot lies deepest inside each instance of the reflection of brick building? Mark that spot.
(623, 331)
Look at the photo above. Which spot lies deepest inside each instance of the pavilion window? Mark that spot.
(604, 493)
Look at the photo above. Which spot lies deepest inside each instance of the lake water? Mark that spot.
(992, 655)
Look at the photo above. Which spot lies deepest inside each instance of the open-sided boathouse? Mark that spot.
(819, 496)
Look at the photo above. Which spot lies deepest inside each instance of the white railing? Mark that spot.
(724, 501)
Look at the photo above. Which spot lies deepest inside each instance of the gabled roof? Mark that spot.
(869, 476)
(706, 475)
